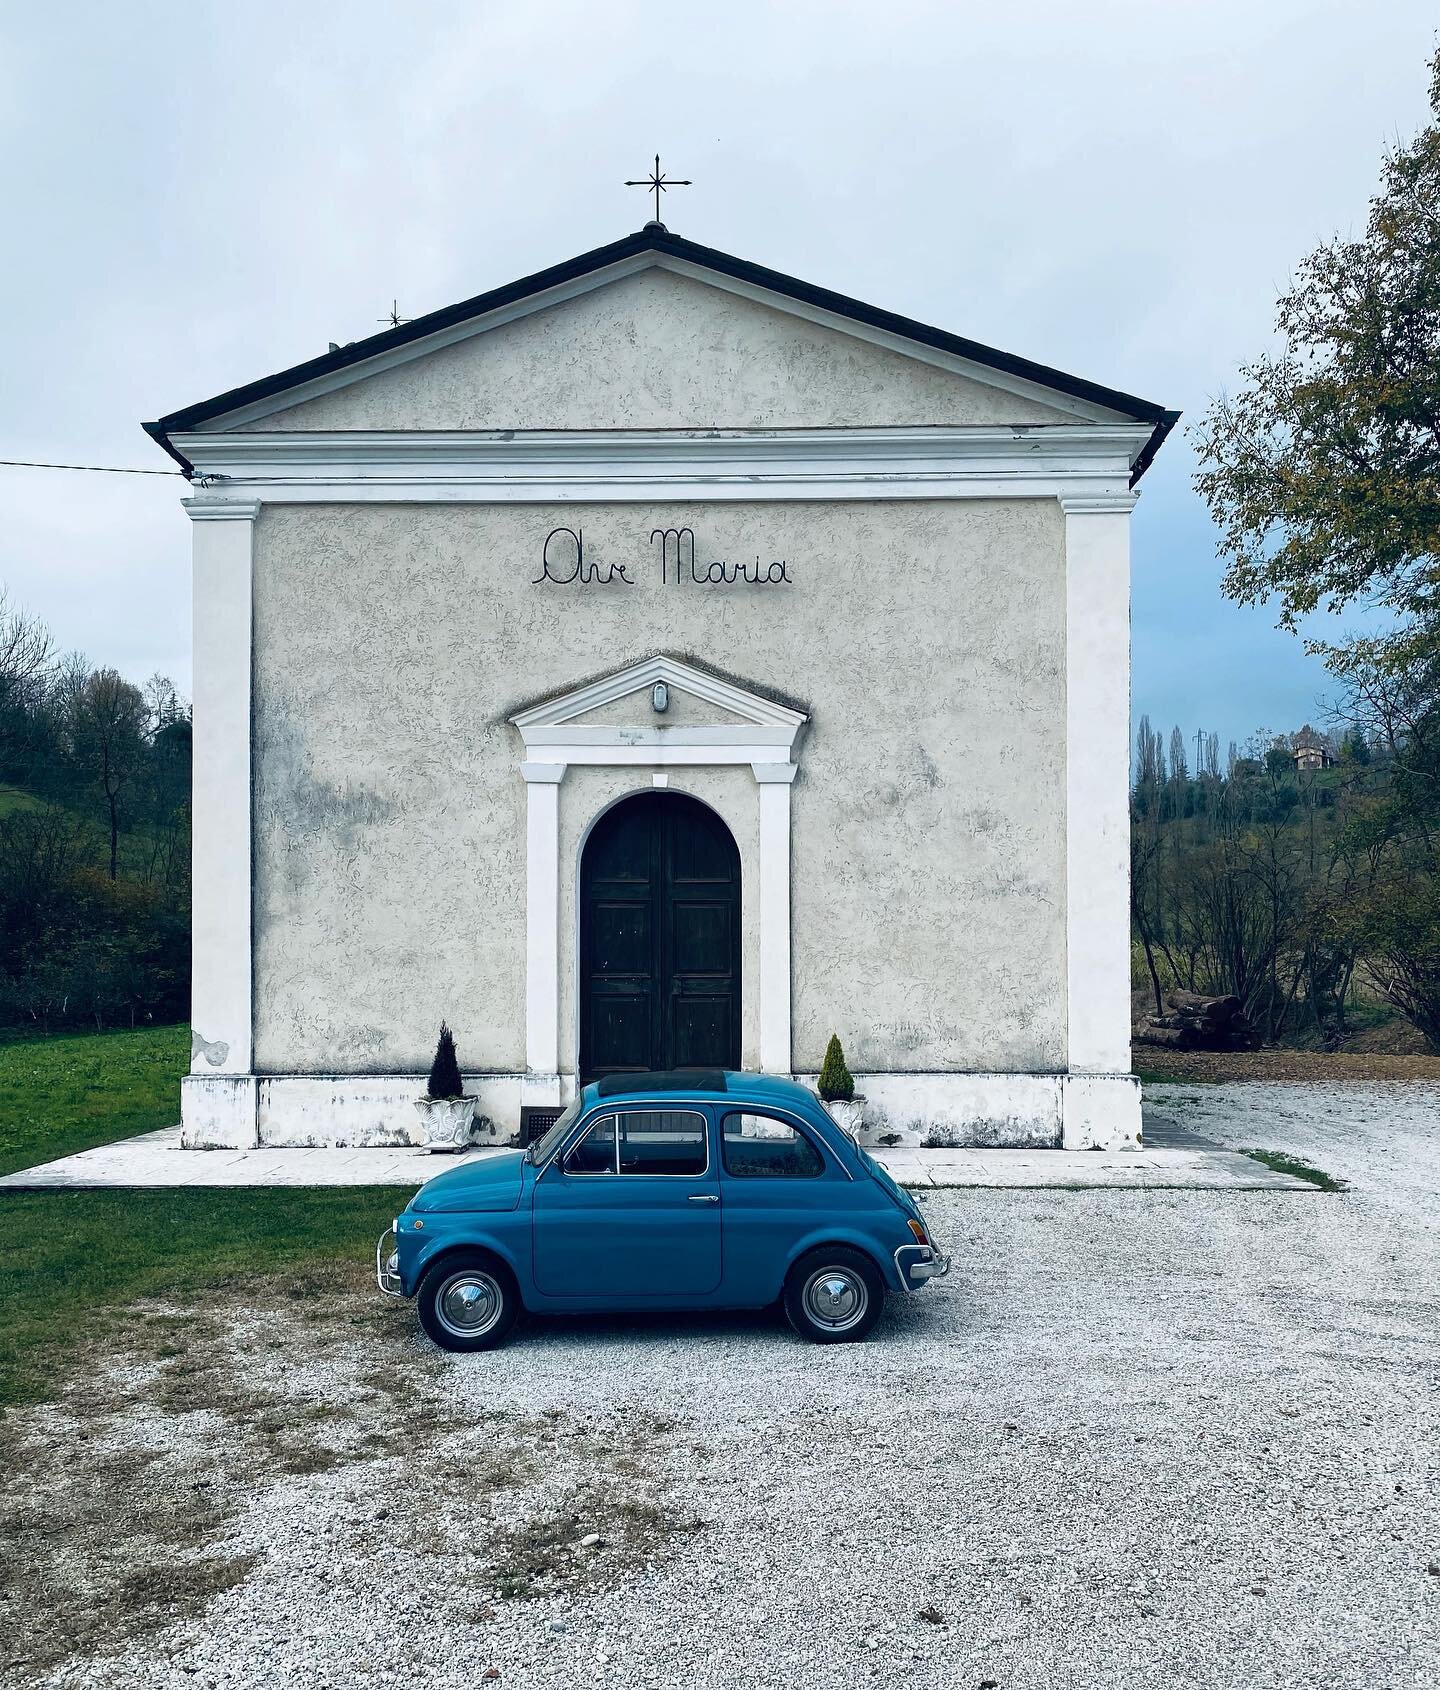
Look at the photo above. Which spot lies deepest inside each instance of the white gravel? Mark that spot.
(1160, 1439)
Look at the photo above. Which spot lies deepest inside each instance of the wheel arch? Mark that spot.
(828, 1238)
(443, 1248)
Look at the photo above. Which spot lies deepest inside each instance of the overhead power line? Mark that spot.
(94, 469)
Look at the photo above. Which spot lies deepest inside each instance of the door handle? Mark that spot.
(704, 1197)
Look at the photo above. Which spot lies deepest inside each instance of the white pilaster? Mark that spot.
(774, 781)
(1097, 740)
(220, 1107)
(542, 930)
(221, 1010)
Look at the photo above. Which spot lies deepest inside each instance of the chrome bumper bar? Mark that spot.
(386, 1276)
(918, 1263)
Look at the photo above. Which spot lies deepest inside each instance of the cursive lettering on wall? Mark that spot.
(566, 565)
(563, 562)
(677, 546)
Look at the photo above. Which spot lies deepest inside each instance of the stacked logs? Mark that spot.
(1197, 1022)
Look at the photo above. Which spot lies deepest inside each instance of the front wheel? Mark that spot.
(834, 1296)
(468, 1301)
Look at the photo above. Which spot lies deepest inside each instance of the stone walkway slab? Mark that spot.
(153, 1161)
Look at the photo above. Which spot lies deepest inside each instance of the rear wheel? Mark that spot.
(468, 1301)
(834, 1295)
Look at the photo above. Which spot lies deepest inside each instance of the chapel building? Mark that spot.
(660, 661)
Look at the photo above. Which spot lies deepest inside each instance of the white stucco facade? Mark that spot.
(412, 708)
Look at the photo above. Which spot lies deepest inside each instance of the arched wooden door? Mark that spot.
(659, 939)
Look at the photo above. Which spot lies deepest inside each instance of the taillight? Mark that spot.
(921, 1236)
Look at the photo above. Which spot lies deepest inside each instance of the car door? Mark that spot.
(777, 1184)
(631, 1209)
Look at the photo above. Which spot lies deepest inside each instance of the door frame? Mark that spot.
(759, 733)
(578, 937)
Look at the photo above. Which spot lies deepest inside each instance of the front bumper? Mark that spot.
(918, 1264)
(387, 1264)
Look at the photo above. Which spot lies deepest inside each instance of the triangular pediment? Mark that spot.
(697, 699)
(656, 332)
(660, 348)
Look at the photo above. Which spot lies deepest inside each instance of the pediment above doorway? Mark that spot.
(708, 717)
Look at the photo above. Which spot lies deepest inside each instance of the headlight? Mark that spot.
(392, 1262)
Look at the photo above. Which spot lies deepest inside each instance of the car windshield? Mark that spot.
(543, 1148)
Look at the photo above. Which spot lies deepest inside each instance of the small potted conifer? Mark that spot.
(837, 1089)
(449, 1115)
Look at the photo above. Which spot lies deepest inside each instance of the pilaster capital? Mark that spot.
(774, 774)
(543, 774)
(221, 510)
(1098, 504)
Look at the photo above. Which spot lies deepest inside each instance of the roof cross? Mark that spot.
(657, 183)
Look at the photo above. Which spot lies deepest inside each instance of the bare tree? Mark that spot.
(107, 720)
(27, 660)
(1179, 766)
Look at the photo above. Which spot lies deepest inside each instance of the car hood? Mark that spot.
(490, 1182)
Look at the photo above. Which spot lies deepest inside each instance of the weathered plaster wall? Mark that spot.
(928, 870)
(658, 350)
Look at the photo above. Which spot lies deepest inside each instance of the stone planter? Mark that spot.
(848, 1115)
(449, 1122)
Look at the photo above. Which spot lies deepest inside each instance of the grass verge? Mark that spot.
(70, 1093)
(74, 1259)
(1161, 1077)
(1292, 1165)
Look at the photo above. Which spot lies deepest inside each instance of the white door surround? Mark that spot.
(760, 734)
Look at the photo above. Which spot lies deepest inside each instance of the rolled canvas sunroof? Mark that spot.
(676, 1079)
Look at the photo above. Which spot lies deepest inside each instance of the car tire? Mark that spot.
(834, 1295)
(468, 1300)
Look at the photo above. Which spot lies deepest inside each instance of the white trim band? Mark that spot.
(1082, 460)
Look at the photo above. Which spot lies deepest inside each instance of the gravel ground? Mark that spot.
(1159, 1439)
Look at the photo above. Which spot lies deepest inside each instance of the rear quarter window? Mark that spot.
(759, 1146)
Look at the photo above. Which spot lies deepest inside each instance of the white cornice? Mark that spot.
(1081, 460)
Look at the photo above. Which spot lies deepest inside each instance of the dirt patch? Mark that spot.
(147, 1490)
(1318, 1066)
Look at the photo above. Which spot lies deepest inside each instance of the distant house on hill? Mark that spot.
(1311, 750)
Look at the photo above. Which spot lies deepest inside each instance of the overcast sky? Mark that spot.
(198, 195)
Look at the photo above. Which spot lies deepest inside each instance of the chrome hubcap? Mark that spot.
(469, 1303)
(836, 1298)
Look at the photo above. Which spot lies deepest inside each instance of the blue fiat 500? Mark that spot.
(691, 1190)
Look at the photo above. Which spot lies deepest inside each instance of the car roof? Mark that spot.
(700, 1083)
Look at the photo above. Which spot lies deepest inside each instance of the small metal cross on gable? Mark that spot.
(394, 319)
(657, 183)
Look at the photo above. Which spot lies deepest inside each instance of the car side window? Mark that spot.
(595, 1152)
(762, 1147)
(662, 1141)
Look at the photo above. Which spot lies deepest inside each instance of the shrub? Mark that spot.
(445, 1078)
(836, 1082)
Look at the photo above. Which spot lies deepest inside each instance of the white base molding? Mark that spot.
(961, 1111)
(217, 1112)
(1100, 1112)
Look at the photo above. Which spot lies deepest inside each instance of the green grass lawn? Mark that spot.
(66, 1094)
(73, 1260)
